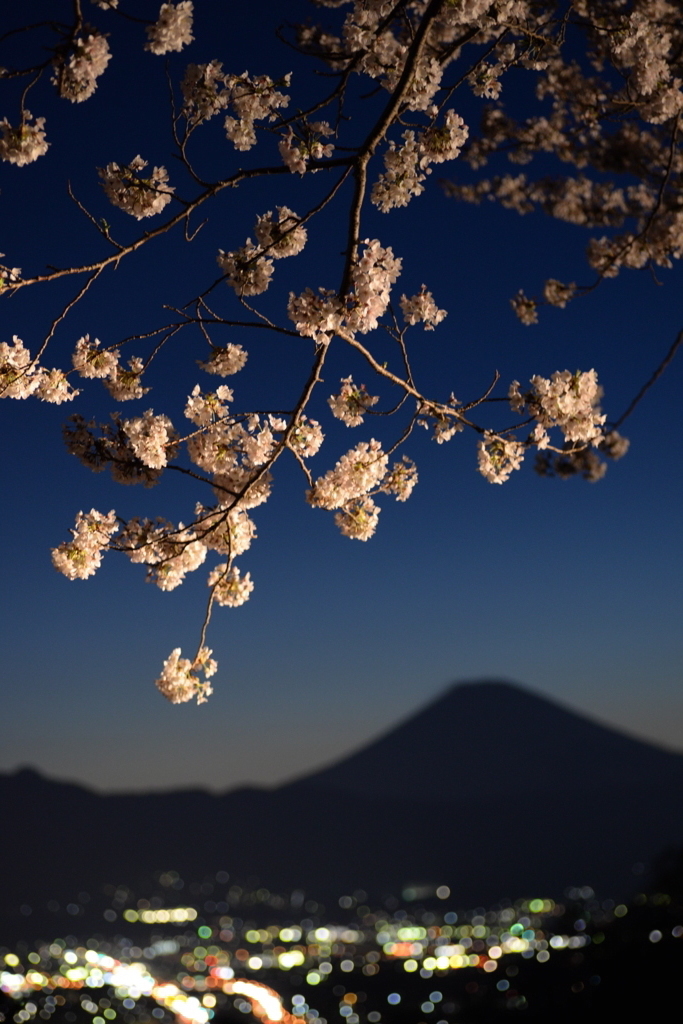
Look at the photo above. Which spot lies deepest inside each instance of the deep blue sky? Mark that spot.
(570, 588)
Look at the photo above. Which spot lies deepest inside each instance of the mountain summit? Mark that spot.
(501, 738)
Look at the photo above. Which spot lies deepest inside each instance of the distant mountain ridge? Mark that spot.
(491, 790)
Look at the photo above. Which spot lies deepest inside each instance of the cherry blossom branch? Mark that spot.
(668, 358)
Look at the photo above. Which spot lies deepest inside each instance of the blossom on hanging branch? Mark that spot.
(224, 360)
(246, 270)
(400, 479)
(296, 151)
(306, 437)
(169, 552)
(422, 309)
(172, 30)
(54, 387)
(81, 557)
(123, 384)
(152, 438)
(316, 316)
(89, 360)
(19, 376)
(352, 402)
(567, 400)
(76, 74)
(205, 92)
(373, 275)
(557, 294)
(24, 144)
(227, 530)
(230, 588)
(358, 518)
(498, 457)
(203, 408)
(179, 680)
(524, 308)
(125, 187)
(252, 99)
(282, 237)
(355, 474)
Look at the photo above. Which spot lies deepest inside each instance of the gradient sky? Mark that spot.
(572, 589)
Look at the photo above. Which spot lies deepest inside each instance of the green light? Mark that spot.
(204, 932)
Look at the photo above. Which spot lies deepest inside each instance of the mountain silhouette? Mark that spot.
(501, 737)
(491, 790)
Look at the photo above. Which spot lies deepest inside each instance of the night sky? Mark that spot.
(570, 588)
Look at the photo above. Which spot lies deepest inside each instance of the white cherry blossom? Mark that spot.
(127, 188)
(19, 376)
(358, 518)
(498, 457)
(89, 360)
(172, 30)
(151, 438)
(225, 361)
(356, 473)
(421, 308)
(351, 403)
(246, 270)
(179, 680)
(230, 588)
(24, 144)
(76, 75)
(282, 237)
(81, 557)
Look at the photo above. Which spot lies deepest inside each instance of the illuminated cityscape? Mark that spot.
(278, 958)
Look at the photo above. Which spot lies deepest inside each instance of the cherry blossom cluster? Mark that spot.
(400, 479)
(180, 679)
(321, 316)
(373, 275)
(91, 361)
(316, 316)
(407, 166)
(21, 376)
(498, 457)
(81, 557)
(282, 237)
(356, 473)
(567, 400)
(249, 269)
(357, 476)
(76, 74)
(358, 518)
(230, 588)
(421, 308)
(24, 144)
(224, 360)
(205, 92)
(169, 552)
(107, 445)
(585, 462)
(152, 438)
(252, 99)
(126, 188)
(297, 150)
(352, 402)
(305, 437)
(173, 29)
